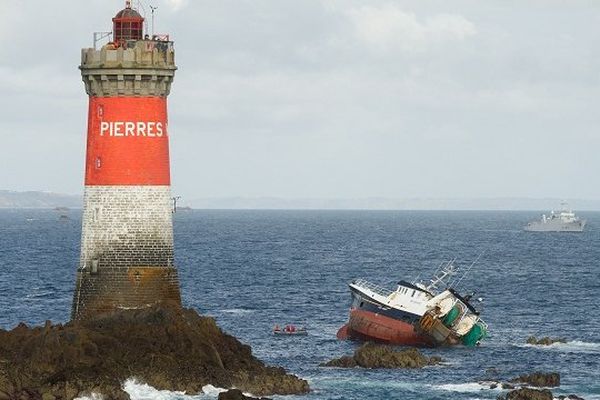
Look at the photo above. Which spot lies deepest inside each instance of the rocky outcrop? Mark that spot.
(236, 394)
(342, 362)
(371, 355)
(545, 341)
(167, 349)
(540, 379)
(524, 387)
(527, 394)
(535, 394)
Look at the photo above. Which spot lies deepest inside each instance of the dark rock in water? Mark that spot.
(507, 386)
(570, 397)
(235, 394)
(371, 355)
(342, 362)
(527, 394)
(545, 341)
(540, 379)
(167, 349)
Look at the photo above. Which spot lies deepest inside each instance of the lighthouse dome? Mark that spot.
(128, 24)
(128, 13)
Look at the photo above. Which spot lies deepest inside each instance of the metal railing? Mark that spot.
(160, 41)
(363, 283)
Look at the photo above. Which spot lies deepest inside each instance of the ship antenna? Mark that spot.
(469, 269)
(438, 269)
(444, 272)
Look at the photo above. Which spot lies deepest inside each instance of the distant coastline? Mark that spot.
(49, 200)
(38, 199)
(380, 203)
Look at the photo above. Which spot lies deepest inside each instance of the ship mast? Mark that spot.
(440, 277)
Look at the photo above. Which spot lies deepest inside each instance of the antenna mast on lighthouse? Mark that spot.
(153, 8)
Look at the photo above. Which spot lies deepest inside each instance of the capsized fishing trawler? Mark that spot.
(414, 314)
(562, 221)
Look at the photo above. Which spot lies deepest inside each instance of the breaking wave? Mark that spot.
(469, 387)
(142, 391)
(353, 382)
(575, 346)
(139, 391)
(237, 311)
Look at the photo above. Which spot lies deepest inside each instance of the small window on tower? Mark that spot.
(98, 163)
(96, 216)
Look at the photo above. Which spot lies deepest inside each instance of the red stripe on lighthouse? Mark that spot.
(127, 142)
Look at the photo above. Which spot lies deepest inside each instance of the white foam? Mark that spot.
(142, 391)
(237, 311)
(462, 387)
(333, 382)
(212, 391)
(576, 346)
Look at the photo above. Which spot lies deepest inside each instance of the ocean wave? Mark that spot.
(40, 295)
(237, 311)
(210, 390)
(575, 346)
(142, 391)
(461, 387)
(334, 382)
(469, 387)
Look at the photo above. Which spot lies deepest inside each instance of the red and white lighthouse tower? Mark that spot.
(127, 237)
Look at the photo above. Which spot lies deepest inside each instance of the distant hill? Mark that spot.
(377, 203)
(10, 199)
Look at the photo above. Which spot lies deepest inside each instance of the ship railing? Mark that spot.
(363, 283)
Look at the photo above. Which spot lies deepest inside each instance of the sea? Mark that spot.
(251, 270)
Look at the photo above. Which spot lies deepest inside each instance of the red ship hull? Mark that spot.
(369, 326)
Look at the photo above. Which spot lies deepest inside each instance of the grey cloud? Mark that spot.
(301, 99)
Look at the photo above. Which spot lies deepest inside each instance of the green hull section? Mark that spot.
(473, 337)
(451, 316)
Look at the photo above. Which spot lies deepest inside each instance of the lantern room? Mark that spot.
(128, 24)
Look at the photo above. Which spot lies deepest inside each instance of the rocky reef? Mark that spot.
(529, 384)
(236, 394)
(371, 355)
(545, 341)
(540, 379)
(535, 394)
(527, 394)
(168, 349)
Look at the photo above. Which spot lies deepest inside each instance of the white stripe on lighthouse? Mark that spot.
(127, 226)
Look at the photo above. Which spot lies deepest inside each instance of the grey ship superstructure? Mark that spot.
(562, 221)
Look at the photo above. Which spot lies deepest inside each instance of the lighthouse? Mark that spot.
(126, 257)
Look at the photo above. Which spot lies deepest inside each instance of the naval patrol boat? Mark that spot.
(562, 221)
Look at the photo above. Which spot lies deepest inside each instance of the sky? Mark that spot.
(327, 98)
